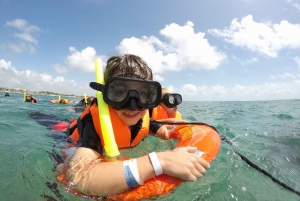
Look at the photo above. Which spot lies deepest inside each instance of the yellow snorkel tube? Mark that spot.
(24, 96)
(110, 145)
(85, 101)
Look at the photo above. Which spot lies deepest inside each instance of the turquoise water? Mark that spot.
(266, 132)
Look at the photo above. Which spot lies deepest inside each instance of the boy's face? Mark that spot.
(170, 111)
(119, 91)
(130, 117)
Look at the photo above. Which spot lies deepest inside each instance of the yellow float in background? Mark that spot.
(85, 100)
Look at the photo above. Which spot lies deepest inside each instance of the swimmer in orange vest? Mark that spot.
(83, 103)
(30, 99)
(129, 92)
(167, 111)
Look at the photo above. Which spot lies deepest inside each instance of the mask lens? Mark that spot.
(119, 90)
(172, 100)
(178, 99)
(148, 93)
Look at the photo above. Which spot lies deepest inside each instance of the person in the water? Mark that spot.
(83, 103)
(30, 98)
(129, 92)
(167, 110)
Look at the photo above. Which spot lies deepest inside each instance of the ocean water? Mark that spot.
(266, 133)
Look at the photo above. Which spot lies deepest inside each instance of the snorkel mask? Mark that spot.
(28, 98)
(129, 93)
(171, 100)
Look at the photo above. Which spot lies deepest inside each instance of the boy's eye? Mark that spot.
(143, 93)
(120, 92)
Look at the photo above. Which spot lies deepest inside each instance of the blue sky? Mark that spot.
(217, 50)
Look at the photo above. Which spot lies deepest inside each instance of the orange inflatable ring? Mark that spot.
(202, 136)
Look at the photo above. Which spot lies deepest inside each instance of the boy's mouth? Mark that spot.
(131, 114)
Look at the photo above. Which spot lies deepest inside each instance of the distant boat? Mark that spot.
(6, 94)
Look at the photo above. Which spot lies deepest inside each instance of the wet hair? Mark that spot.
(90, 99)
(166, 90)
(127, 65)
(28, 98)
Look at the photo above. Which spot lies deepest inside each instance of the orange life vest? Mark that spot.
(122, 132)
(207, 140)
(63, 100)
(161, 113)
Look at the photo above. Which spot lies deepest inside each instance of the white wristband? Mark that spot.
(155, 163)
(135, 171)
(131, 173)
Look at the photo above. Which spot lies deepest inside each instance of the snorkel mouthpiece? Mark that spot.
(132, 101)
(132, 104)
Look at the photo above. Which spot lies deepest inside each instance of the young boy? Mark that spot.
(166, 111)
(30, 98)
(81, 105)
(130, 92)
(168, 107)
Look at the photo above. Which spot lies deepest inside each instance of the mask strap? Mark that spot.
(97, 86)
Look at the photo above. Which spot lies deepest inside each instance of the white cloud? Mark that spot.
(30, 80)
(294, 3)
(265, 38)
(5, 65)
(27, 42)
(267, 91)
(297, 60)
(189, 89)
(246, 62)
(21, 47)
(158, 78)
(182, 49)
(218, 90)
(46, 78)
(250, 61)
(171, 88)
(22, 25)
(286, 76)
(12, 78)
(191, 75)
(297, 5)
(60, 69)
(82, 61)
(203, 90)
(26, 37)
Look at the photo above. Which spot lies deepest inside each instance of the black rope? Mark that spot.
(223, 138)
(260, 169)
